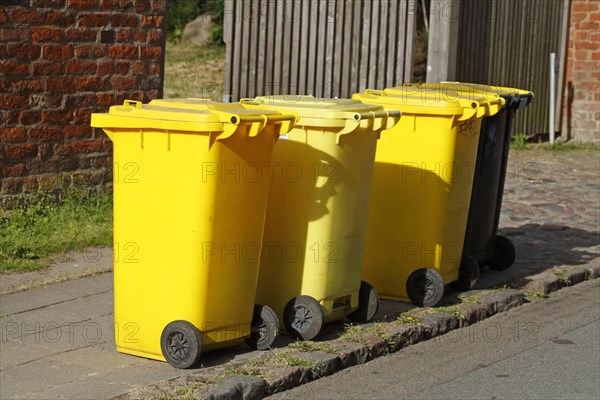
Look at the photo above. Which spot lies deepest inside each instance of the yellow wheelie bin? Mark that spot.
(310, 269)
(421, 191)
(190, 195)
(482, 244)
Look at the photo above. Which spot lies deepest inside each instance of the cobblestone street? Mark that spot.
(551, 212)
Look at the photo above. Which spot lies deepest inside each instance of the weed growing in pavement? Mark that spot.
(469, 299)
(242, 370)
(353, 333)
(289, 360)
(407, 318)
(451, 310)
(562, 276)
(308, 346)
(185, 393)
(378, 329)
(535, 294)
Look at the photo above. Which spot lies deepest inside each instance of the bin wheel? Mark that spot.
(468, 273)
(181, 344)
(425, 287)
(303, 317)
(505, 254)
(264, 328)
(368, 304)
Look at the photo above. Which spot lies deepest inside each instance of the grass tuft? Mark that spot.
(309, 346)
(289, 360)
(50, 224)
(353, 333)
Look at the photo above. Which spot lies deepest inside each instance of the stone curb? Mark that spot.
(384, 338)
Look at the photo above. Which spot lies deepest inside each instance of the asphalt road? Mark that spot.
(548, 349)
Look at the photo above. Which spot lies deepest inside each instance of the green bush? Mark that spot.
(217, 10)
(179, 13)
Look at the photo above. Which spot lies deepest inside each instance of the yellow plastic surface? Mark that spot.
(421, 186)
(190, 194)
(317, 210)
(472, 90)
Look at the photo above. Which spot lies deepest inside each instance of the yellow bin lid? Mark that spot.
(513, 95)
(424, 101)
(190, 115)
(346, 114)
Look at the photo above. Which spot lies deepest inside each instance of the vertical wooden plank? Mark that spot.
(269, 47)
(312, 48)
(374, 44)
(260, 45)
(321, 50)
(492, 41)
(229, 37)
(357, 40)
(245, 48)
(287, 43)
(331, 49)
(253, 47)
(537, 69)
(295, 21)
(392, 44)
(340, 52)
(381, 55)
(409, 40)
(305, 33)
(237, 65)
(486, 21)
(403, 15)
(540, 64)
(365, 44)
(348, 61)
(278, 54)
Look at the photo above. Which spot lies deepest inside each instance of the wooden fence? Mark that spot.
(508, 43)
(327, 48)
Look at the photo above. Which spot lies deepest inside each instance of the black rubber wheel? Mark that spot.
(425, 287)
(264, 328)
(181, 344)
(303, 317)
(505, 254)
(468, 273)
(368, 304)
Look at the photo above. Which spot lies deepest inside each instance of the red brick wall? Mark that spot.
(60, 61)
(582, 91)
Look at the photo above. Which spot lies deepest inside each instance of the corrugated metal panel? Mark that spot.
(328, 48)
(508, 43)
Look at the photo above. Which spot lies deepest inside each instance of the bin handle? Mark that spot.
(491, 107)
(286, 121)
(468, 113)
(132, 103)
(390, 119)
(250, 101)
(374, 92)
(231, 123)
(257, 126)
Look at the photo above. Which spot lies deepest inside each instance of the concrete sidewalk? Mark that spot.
(57, 340)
